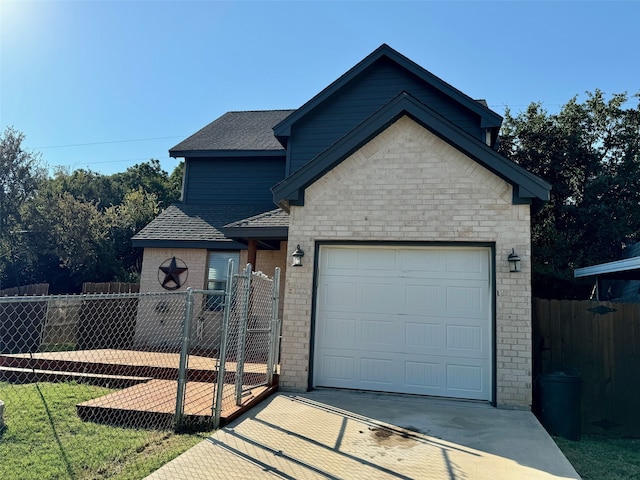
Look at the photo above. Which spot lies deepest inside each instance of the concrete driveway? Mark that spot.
(330, 434)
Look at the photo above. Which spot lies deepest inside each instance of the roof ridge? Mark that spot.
(263, 111)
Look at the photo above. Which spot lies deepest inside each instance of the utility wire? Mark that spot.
(110, 141)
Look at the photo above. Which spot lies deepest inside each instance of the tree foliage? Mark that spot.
(590, 153)
(75, 226)
(20, 174)
(137, 209)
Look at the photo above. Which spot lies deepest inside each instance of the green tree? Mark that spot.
(151, 178)
(20, 173)
(175, 181)
(75, 226)
(136, 210)
(69, 241)
(88, 186)
(590, 153)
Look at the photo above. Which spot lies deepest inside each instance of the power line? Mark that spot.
(71, 164)
(110, 141)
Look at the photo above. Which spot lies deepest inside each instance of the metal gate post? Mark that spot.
(274, 334)
(184, 359)
(222, 355)
(242, 335)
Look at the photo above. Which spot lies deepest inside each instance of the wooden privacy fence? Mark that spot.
(21, 323)
(33, 326)
(108, 323)
(600, 342)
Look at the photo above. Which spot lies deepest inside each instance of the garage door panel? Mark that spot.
(378, 371)
(378, 333)
(422, 263)
(375, 296)
(421, 375)
(339, 331)
(465, 299)
(445, 377)
(465, 338)
(464, 378)
(424, 298)
(339, 259)
(340, 294)
(405, 319)
(423, 337)
(466, 261)
(445, 263)
(369, 260)
(338, 369)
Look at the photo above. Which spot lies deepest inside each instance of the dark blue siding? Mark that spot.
(357, 101)
(232, 181)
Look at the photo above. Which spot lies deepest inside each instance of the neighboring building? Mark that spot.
(389, 181)
(617, 281)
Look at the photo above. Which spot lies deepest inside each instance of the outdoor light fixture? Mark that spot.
(514, 261)
(297, 256)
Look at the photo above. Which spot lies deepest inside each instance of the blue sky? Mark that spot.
(106, 85)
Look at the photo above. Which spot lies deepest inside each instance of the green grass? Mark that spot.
(57, 347)
(595, 457)
(45, 439)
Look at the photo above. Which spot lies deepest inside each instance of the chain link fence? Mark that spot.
(133, 376)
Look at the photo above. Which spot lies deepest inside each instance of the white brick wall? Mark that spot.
(156, 327)
(152, 330)
(409, 185)
(195, 259)
(266, 262)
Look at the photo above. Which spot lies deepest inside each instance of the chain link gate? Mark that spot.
(131, 365)
(250, 337)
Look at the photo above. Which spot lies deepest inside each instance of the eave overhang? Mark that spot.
(226, 153)
(620, 269)
(488, 118)
(267, 233)
(527, 186)
(266, 238)
(199, 244)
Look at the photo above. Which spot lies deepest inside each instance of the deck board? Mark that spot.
(148, 401)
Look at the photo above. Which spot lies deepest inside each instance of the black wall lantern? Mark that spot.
(514, 261)
(297, 256)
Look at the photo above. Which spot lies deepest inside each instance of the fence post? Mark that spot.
(222, 354)
(242, 334)
(184, 359)
(275, 328)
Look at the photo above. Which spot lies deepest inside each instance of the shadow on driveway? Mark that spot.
(329, 434)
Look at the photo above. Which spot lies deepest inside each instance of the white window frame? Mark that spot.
(217, 269)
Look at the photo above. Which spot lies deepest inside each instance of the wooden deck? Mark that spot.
(149, 382)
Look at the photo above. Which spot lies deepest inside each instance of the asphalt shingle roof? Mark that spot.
(194, 223)
(251, 130)
(273, 218)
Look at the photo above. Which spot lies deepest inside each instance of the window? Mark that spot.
(217, 275)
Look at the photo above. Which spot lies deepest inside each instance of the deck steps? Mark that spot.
(153, 403)
(31, 375)
(148, 383)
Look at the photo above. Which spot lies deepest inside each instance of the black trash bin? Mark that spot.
(560, 404)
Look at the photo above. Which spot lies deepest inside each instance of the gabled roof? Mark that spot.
(526, 185)
(235, 133)
(192, 226)
(489, 118)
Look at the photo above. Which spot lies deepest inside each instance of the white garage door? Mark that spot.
(404, 319)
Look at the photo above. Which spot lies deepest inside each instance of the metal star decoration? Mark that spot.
(172, 273)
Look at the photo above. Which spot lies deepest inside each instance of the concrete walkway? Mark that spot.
(328, 434)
